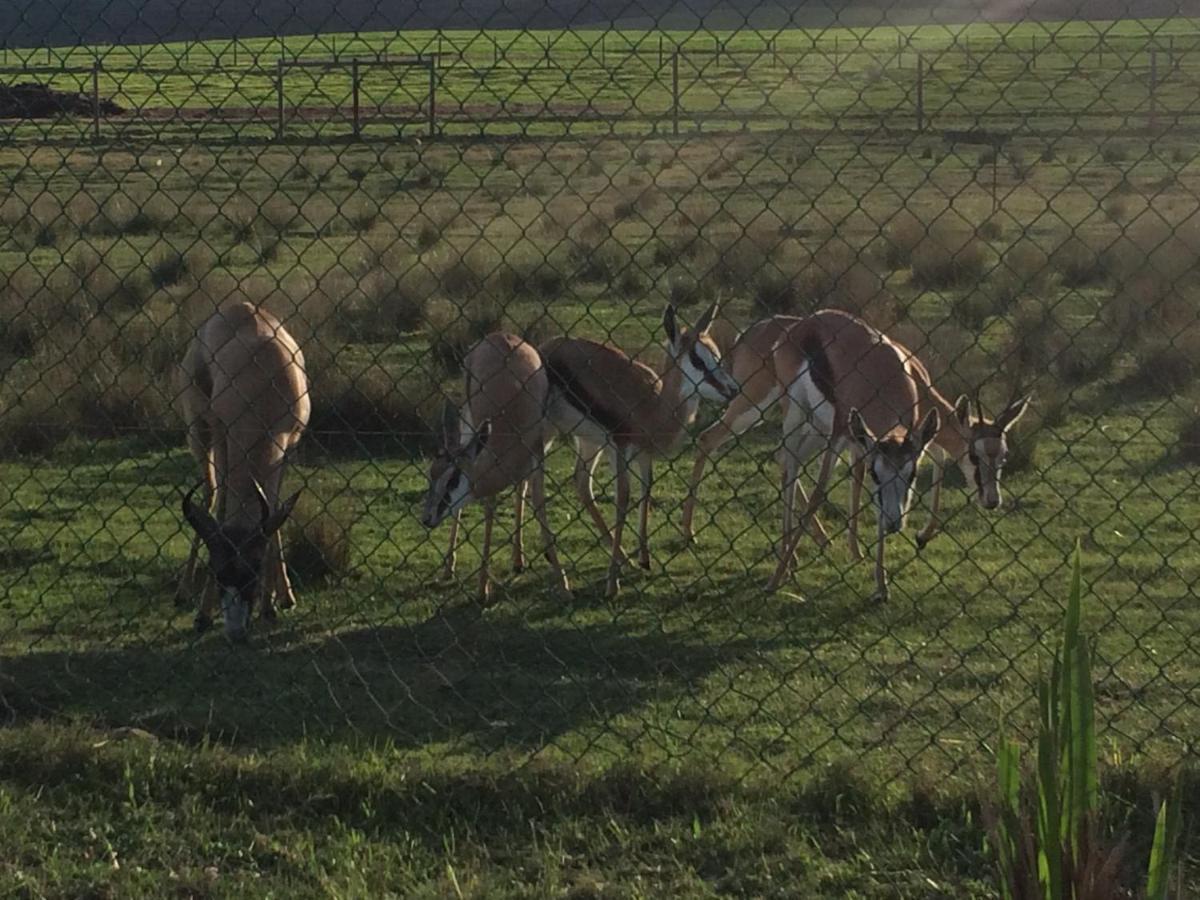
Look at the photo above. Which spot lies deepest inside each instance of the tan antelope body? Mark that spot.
(497, 442)
(848, 387)
(605, 399)
(975, 443)
(244, 397)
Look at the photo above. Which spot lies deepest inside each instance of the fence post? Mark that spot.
(354, 97)
(837, 60)
(920, 92)
(1033, 51)
(899, 51)
(661, 59)
(432, 101)
(96, 100)
(675, 93)
(279, 99)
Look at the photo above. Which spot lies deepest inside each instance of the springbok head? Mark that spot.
(698, 357)
(987, 446)
(236, 553)
(892, 461)
(449, 478)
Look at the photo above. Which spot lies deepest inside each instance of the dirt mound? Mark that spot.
(36, 101)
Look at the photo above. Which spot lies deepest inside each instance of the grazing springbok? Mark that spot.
(502, 445)
(848, 387)
(976, 444)
(244, 397)
(608, 400)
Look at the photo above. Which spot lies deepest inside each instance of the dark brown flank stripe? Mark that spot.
(564, 380)
(819, 366)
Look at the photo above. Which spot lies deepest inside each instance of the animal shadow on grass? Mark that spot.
(489, 680)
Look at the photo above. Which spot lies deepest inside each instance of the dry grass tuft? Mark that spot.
(1079, 263)
(453, 329)
(901, 237)
(365, 410)
(950, 256)
(319, 542)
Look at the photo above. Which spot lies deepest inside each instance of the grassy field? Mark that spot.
(1102, 76)
(696, 737)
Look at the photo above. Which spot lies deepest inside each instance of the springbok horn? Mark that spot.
(198, 517)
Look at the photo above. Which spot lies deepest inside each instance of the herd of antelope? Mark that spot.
(843, 386)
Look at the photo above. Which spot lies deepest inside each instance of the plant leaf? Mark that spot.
(1166, 839)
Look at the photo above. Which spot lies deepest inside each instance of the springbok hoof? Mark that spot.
(270, 613)
(202, 623)
(921, 542)
(879, 597)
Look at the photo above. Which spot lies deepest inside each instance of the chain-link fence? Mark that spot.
(666, 212)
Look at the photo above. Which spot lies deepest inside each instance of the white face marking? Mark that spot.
(893, 491)
(235, 613)
(711, 366)
(449, 491)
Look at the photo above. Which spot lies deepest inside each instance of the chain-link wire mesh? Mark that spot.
(1013, 204)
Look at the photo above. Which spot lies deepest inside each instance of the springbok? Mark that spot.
(608, 400)
(848, 387)
(978, 445)
(502, 445)
(244, 397)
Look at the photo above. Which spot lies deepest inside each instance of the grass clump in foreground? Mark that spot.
(1047, 830)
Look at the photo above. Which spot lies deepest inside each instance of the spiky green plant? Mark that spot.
(1047, 836)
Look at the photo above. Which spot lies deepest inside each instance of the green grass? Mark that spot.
(1047, 76)
(696, 737)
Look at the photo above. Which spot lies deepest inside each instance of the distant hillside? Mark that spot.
(58, 22)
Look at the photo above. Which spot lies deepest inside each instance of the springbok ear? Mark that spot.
(450, 427)
(275, 521)
(200, 519)
(670, 326)
(1016, 409)
(930, 427)
(860, 432)
(705, 321)
(479, 441)
(962, 409)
